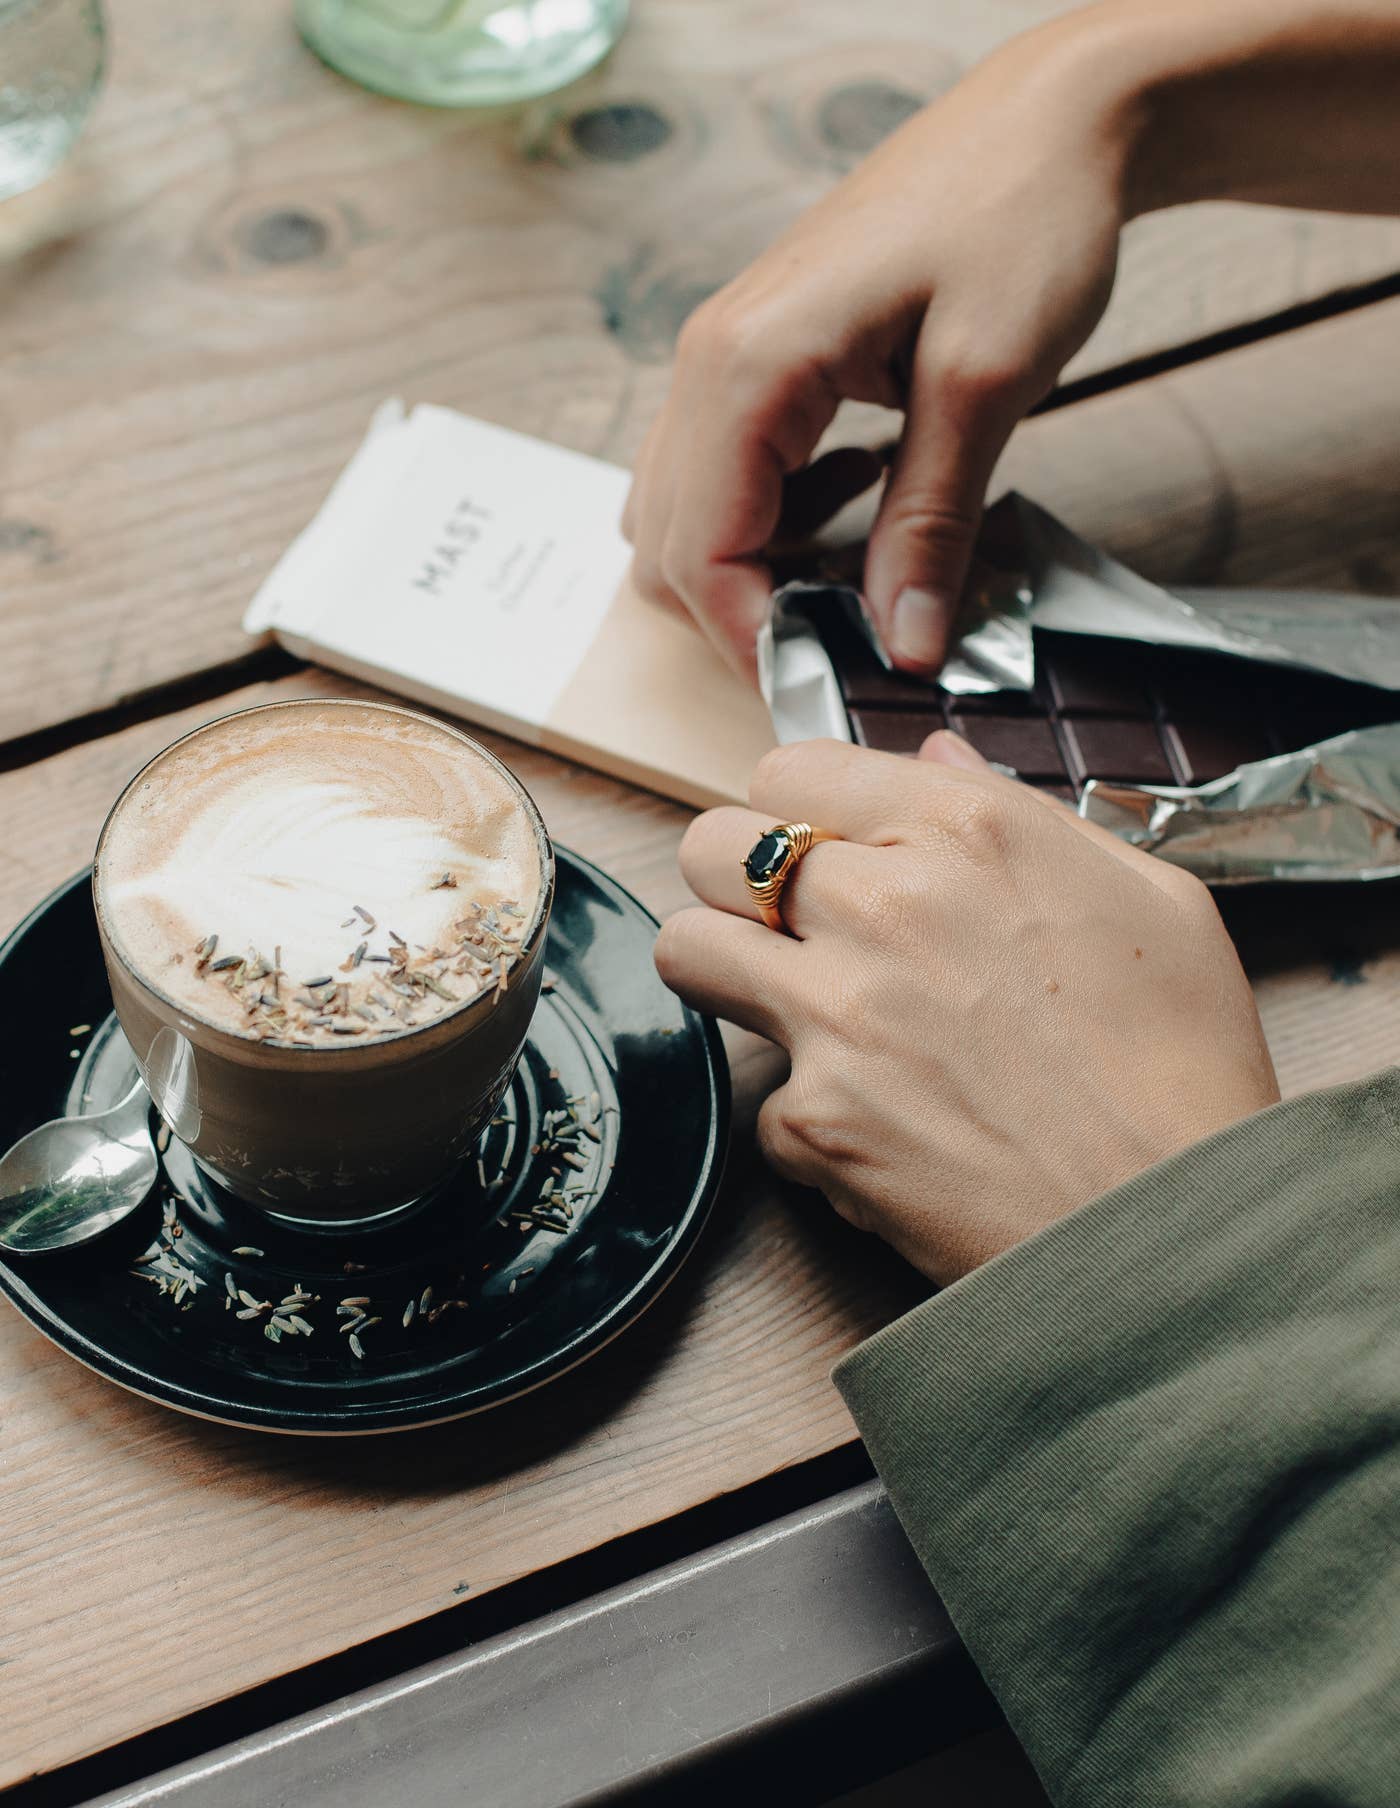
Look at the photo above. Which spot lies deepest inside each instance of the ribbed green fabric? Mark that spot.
(1151, 1461)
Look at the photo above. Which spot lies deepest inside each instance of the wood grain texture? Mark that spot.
(1276, 464)
(247, 254)
(149, 1561)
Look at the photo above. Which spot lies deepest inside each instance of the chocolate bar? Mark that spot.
(1107, 709)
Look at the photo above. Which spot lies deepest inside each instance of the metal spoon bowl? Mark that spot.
(75, 1177)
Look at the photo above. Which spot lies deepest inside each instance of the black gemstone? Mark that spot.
(766, 856)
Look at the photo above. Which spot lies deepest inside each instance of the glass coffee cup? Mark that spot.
(390, 853)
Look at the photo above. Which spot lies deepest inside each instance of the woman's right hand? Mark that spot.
(994, 1011)
(951, 275)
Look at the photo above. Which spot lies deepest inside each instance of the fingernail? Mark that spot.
(917, 632)
(950, 749)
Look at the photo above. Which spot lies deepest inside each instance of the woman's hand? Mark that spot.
(951, 275)
(993, 1010)
(955, 272)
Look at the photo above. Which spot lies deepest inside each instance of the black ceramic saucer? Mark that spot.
(500, 1301)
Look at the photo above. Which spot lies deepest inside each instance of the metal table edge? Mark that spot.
(738, 1651)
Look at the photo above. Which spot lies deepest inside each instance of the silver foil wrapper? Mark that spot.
(1327, 812)
(1032, 572)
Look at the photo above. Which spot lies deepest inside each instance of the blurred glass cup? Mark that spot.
(51, 59)
(462, 53)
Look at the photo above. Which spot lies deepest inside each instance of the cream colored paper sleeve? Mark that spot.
(653, 703)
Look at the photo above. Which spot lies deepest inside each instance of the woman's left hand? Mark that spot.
(994, 1011)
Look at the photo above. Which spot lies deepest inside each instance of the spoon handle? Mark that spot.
(128, 1111)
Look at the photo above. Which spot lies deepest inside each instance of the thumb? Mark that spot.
(956, 423)
(944, 748)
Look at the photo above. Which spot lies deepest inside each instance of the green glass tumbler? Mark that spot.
(51, 58)
(462, 53)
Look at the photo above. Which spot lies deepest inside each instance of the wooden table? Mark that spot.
(196, 319)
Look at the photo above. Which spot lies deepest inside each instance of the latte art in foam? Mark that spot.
(321, 875)
(276, 868)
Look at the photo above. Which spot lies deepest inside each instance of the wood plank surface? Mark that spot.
(148, 1559)
(247, 254)
(1277, 464)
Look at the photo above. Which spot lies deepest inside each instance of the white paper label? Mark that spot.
(466, 559)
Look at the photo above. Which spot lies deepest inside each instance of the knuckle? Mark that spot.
(930, 520)
(976, 375)
(887, 913)
(1189, 892)
(713, 833)
(740, 342)
(669, 567)
(690, 856)
(807, 1121)
(804, 1147)
(697, 590)
(776, 771)
(694, 844)
(694, 335)
(682, 568)
(983, 822)
(807, 1132)
(775, 1138)
(702, 328)
(974, 384)
(799, 764)
(791, 1133)
(648, 579)
(775, 384)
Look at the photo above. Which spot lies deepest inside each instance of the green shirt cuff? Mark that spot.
(1151, 1459)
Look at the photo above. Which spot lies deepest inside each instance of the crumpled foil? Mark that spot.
(1326, 812)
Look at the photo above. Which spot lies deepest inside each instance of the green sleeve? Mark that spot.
(1151, 1461)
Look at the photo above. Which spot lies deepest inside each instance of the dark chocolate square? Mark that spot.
(998, 703)
(1110, 710)
(1025, 743)
(1114, 748)
(1306, 707)
(1093, 677)
(863, 679)
(1207, 750)
(1210, 687)
(896, 730)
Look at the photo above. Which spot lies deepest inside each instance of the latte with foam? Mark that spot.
(324, 923)
(320, 874)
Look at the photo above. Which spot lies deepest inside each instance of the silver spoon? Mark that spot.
(75, 1177)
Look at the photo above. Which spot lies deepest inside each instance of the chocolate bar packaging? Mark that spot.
(1246, 735)
(483, 572)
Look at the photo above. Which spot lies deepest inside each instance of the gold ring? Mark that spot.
(771, 862)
